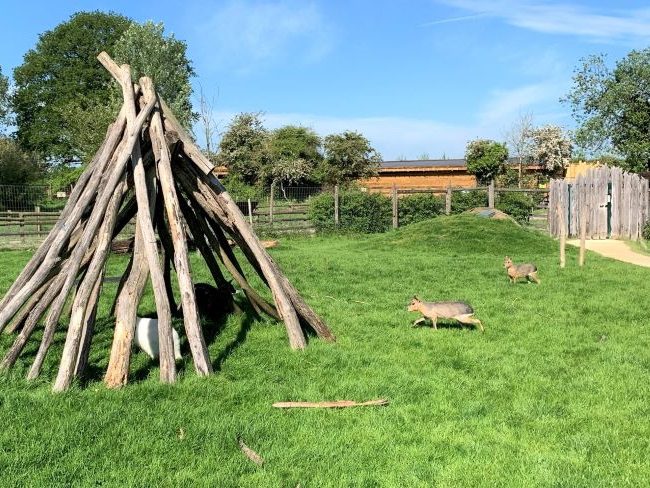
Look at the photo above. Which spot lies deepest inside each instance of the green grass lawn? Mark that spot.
(555, 393)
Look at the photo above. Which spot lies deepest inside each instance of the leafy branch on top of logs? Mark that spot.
(146, 159)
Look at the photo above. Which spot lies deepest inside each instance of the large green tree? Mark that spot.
(486, 159)
(348, 157)
(612, 107)
(149, 52)
(295, 153)
(61, 78)
(4, 101)
(244, 148)
(16, 166)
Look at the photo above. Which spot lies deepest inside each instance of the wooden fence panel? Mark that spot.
(628, 204)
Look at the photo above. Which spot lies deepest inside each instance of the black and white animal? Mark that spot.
(146, 338)
(213, 303)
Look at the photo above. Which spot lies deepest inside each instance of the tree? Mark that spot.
(295, 153)
(162, 58)
(551, 148)
(16, 166)
(612, 107)
(4, 101)
(519, 139)
(208, 124)
(244, 147)
(486, 159)
(62, 70)
(348, 157)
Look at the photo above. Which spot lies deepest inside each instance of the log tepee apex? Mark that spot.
(148, 168)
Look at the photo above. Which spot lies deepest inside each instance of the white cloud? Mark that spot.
(246, 34)
(504, 105)
(627, 26)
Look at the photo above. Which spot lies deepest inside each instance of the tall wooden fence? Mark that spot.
(613, 203)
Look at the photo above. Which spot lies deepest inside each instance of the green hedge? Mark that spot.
(518, 205)
(415, 208)
(461, 201)
(358, 212)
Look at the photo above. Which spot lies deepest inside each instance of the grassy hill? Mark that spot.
(555, 393)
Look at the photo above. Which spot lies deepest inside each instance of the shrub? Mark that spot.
(415, 208)
(467, 200)
(358, 212)
(518, 205)
(645, 233)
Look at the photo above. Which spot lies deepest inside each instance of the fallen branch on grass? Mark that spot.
(250, 454)
(335, 404)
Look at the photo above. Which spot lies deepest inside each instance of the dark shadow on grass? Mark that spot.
(447, 324)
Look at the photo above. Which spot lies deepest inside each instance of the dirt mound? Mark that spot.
(491, 213)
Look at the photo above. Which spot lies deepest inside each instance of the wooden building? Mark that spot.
(428, 173)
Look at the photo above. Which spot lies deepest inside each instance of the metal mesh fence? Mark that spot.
(23, 198)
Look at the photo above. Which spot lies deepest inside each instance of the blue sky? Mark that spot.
(414, 77)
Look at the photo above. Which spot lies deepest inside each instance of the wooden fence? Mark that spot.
(613, 203)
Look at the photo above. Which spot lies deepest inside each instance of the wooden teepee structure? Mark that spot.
(148, 168)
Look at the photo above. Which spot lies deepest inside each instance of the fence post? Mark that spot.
(271, 198)
(37, 209)
(250, 212)
(562, 225)
(336, 205)
(491, 194)
(583, 233)
(448, 200)
(22, 227)
(395, 207)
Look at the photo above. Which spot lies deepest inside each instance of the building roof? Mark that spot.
(423, 163)
(456, 164)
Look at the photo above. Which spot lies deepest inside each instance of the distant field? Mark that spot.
(555, 393)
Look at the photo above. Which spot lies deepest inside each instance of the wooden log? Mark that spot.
(491, 194)
(53, 290)
(168, 254)
(72, 357)
(448, 201)
(19, 318)
(220, 202)
(562, 224)
(165, 342)
(336, 205)
(395, 207)
(126, 307)
(52, 256)
(181, 260)
(88, 328)
(302, 308)
(48, 254)
(583, 230)
(202, 231)
(333, 404)
(114, 131)
(250, 454)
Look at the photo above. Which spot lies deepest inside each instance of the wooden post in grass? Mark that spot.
(250, 212)
(562, 224)
(336, 205)
(583, 232)
(395, 207)
(491, 194)
(37, 210)
(448, 201)
(271, 197)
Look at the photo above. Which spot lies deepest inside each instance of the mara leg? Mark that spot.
(533, 276)
(469, 320)
(434, 321)
(418, 321)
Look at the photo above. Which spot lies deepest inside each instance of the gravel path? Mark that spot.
(616, 250)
